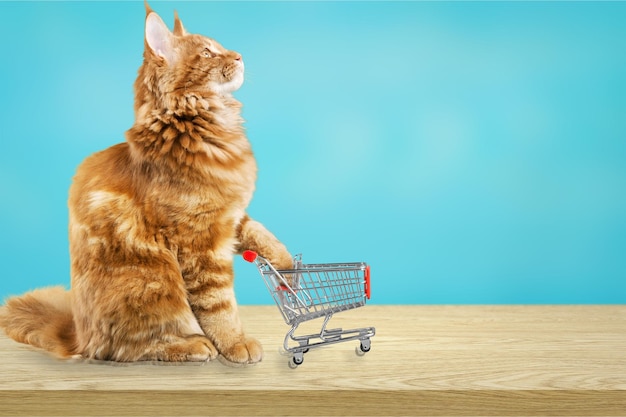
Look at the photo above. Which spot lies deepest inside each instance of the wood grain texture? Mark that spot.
(425, 360)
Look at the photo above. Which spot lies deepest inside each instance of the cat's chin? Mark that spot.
(228, 87)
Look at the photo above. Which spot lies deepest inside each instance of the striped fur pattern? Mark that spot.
(156, 221)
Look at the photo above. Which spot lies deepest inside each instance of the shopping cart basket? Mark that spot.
(311, 291)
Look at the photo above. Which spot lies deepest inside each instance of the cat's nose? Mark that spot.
(237, 57)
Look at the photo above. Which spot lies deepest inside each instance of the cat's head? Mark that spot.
(189, 63)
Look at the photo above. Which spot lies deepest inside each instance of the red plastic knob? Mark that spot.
(249, 255)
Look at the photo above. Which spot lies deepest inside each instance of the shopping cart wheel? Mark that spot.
(296, 361)
(363, 347)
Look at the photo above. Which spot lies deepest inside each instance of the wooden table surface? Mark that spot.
(425, 360)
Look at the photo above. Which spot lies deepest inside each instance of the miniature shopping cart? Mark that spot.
(311, 291)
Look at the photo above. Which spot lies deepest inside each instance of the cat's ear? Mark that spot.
(159, 38)
(148, 8)
(179, 29)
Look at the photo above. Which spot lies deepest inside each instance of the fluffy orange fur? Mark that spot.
(154, 223)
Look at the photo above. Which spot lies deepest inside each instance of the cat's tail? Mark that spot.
(42, 318)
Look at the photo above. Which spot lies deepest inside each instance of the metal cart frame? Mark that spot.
(311, 291)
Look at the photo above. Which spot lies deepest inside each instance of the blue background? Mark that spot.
(470, 152)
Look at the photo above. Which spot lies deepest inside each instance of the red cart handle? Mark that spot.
(249, 255)
(368, 287)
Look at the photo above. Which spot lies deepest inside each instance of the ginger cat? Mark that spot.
(154, 223)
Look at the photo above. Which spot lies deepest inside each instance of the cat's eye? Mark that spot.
(207, 53)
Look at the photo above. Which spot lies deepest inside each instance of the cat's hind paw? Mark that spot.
(189, 349)
(201, 350)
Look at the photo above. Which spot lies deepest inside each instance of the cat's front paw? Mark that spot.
(282, 260)
(248, 350)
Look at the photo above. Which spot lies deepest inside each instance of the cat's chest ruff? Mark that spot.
(198, 163)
